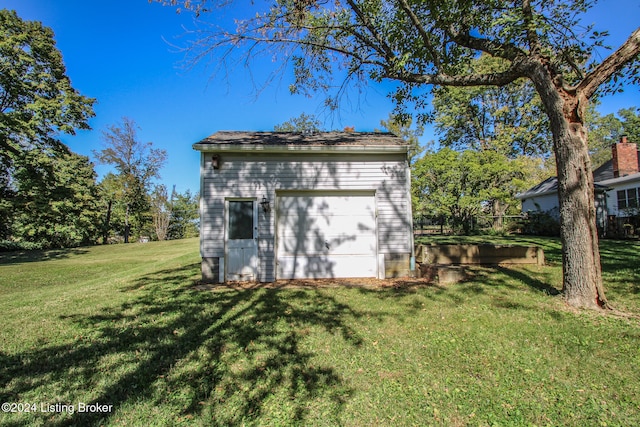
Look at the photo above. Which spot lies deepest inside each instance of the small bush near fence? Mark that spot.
(541, 224)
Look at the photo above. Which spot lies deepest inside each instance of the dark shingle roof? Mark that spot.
(549, 186)
(604, 171)
(373, 139)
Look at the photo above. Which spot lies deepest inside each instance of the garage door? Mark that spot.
(326, 235)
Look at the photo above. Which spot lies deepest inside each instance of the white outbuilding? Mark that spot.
(280, 205)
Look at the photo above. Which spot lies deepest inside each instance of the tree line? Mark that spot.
(50, 197)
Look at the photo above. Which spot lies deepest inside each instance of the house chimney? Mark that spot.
(625, 157)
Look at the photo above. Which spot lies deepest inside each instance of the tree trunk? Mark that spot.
(582, 274)
(127, 228)
(498, 210)
(107, 221)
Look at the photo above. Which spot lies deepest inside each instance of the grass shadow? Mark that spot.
(22, 257)
(620, 266)
(530, 280)
(229, 357)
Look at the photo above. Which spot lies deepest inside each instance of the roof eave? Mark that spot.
(521, 196)
(243, 148)
(620, 180)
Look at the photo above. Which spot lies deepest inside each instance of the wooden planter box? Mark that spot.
(479, 254)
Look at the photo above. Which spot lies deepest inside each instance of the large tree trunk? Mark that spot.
(582, 273)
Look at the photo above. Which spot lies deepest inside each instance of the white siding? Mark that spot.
(256, 175)
(542, 203)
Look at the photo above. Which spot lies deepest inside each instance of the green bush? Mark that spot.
(9, 246)
(540, 223)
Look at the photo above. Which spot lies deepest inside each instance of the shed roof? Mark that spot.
(295, 141)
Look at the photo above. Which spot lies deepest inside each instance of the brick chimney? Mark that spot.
(625, 157)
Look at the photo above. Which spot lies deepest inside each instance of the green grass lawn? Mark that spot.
(122, 326)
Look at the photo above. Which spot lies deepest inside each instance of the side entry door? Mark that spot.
(241, 240)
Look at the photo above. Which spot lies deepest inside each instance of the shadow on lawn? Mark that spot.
(226, 357)
(500, 286)
(9, 258)
(621, 270)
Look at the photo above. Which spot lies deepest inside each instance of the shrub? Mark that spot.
(10, 246)
(540, 223)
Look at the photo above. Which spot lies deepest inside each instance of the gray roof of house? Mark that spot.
(603, 174)
(604, 171)
(550, 186)
(253, 140)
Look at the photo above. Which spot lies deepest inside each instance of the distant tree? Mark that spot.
(458, 185)
(137, 164)
(161, 207)
(111, 191)
(509, 119)
(630, 118)
(607, 130)
(7, 210)
(304, 123)
(185, 216)
(56, 200)
(36, 96)
(404, 130)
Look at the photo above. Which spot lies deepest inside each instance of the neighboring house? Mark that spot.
(277, 205)
(617, 188)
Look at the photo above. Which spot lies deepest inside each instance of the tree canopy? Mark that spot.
(56, 200)
(304, 123)
(509, 119)
(36, 96)
(459, 185)
(47, 193)
(606, 130)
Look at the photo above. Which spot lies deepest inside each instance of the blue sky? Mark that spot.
(123, 53)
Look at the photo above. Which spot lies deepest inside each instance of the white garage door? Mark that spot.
(326, 235)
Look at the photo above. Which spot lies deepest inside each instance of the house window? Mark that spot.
(632, 198)
(240, 220)
(622, 199)
(629, 199)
